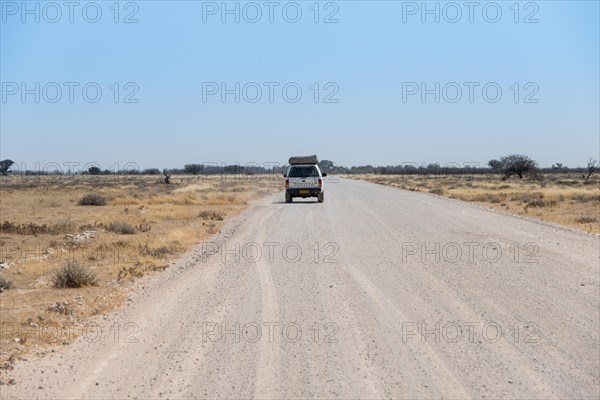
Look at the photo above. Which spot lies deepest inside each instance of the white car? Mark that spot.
(303, 178)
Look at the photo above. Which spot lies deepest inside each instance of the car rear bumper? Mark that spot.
(304, 192)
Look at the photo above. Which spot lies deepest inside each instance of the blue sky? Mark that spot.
(366, 67)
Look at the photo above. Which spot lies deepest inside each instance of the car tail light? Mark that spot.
(320, 183)
(287, 183)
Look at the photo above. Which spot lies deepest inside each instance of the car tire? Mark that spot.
(321, 197)
(288, 198)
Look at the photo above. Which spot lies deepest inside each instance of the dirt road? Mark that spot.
(375, 293)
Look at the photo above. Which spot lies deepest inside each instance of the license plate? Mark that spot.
(304, 191)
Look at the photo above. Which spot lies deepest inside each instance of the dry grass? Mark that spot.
(92, 199)
(74, 276)
(560, 198)
(141, 226)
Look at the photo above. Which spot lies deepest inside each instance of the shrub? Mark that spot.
(212, 215)
(586, 220)
(34, 229)
(74, 275)
(122, 228)
(489, 197)
(438, 191)
(527, 197)
(92, 199)
(159, 252)
(541, 203)
(584, 198)
(61, 308)
(144, 227)
(5, 284)
(566, 182)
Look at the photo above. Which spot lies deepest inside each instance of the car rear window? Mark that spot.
(303, 172)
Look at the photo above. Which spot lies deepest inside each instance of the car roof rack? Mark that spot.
(304, 160)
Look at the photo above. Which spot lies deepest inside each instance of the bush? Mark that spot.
(541, 203)
(586, 220)
(5, 284)
(212, 215)
(73, 275)
(92, 199)
(61, 308)
(584, 198)
(568, 182)
(34, 229)
(438, 191)
(159, 252)
(527, 197)
(121, 227)
(489, 197)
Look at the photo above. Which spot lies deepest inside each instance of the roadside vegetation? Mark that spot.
(71, 246)
(514, 183)
(563, 198)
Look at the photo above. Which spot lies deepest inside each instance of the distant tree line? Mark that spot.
(510, 165)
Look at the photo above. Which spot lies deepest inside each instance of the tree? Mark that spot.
(94, 171)
(5, 166)
(167, 176)
(591, 166)
(557, 166)
(193, 169)
(517, 164)
(151, 171)
(496, 165)
(326, 166)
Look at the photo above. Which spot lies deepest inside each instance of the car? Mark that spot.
(303, 178)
